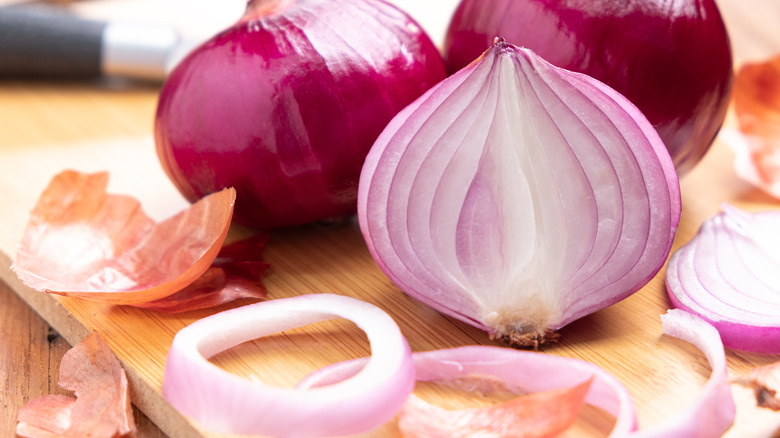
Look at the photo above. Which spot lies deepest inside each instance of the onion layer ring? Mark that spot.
(226, 403)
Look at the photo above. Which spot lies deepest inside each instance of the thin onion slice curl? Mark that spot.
(226, 403)
(709, 415)
(101, 406)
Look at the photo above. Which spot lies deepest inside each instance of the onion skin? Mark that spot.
(671, 59)
(518, 197)
(285, 104)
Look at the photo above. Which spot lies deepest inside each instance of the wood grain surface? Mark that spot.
(46, 127)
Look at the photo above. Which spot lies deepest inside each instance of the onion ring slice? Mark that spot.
(709, 416)
(526, 371)
(82, 242)
(729, 274)
(226, 403)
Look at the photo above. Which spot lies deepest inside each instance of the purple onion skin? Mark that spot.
(671, 59)
(285, 105)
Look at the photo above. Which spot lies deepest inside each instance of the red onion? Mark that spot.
(517, 196)
(285, 104)
(226, 403)
(671, 59)
(729, 274)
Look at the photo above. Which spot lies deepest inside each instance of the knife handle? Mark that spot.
(44, 43)
(41, 43)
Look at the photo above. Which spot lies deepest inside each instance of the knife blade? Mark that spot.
(51, 43)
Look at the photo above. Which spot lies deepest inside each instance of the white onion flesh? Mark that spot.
(226, 403)
(729, 274)
(518, 197)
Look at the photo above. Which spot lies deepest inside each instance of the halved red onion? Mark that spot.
(227, 403)
(517, 196)
(729, 274)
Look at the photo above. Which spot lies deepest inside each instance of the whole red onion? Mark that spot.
(672, 59)
(285, 104)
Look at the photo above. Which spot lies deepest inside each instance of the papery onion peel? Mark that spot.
(85, 243)
(235, 274)
(536, 415)
(101, 408)
(227, 403)
(756, 139)
(765, 382)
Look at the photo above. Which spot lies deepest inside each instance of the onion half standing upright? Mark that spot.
(518, 197)
(672, 59)
(285, 104)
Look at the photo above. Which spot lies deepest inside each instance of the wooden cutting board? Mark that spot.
(49, 127)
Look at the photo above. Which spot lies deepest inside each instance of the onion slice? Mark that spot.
(518, 197)
(713, 412)
(517, 370)
(85, 243)
(729, 274)
(709, 416)
(226, 403)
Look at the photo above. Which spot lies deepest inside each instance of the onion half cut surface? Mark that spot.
(518, 197)
(226, 403)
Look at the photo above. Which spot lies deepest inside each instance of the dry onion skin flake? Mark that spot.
(729, 274)
(765, 382)
(83, 242)
(518, 197)
(101, 406)
(226, 403)
(536, 415)
(756, 140)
